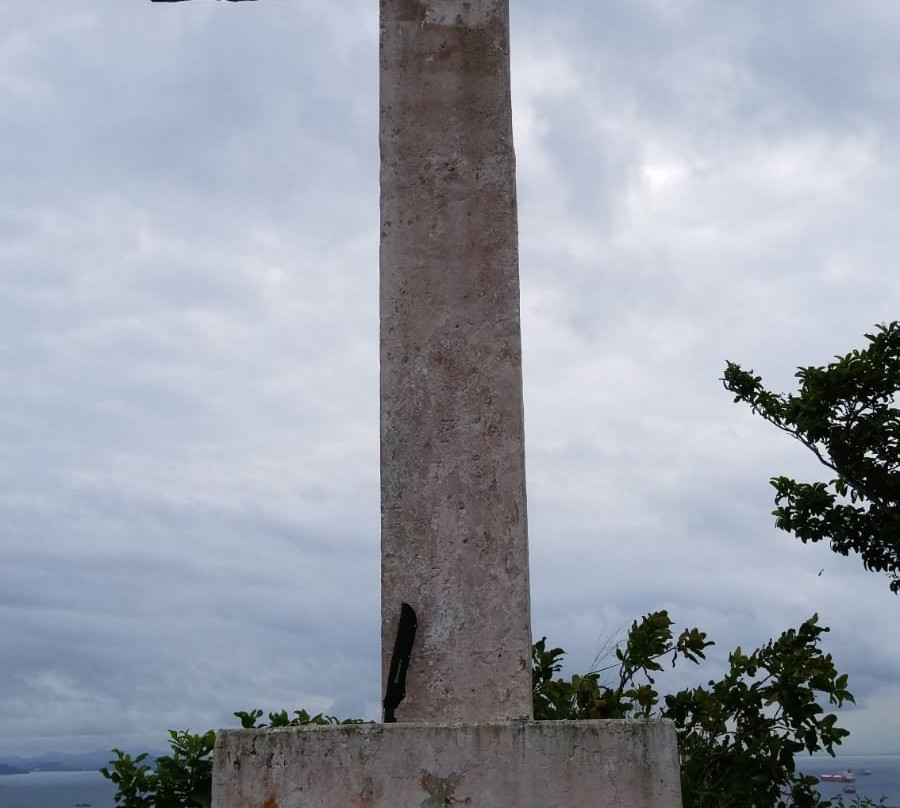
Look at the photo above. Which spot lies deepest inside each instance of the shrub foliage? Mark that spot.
(845, 414)
(738, 736)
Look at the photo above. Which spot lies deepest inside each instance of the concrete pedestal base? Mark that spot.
(547, 764)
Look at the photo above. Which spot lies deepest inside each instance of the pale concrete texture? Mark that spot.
(548, 764)
(454, 539)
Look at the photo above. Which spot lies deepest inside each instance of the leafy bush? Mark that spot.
(739, 735)
(182, 779)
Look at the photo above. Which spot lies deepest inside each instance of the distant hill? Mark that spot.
(56, 762)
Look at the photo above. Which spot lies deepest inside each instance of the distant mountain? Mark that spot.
(57, 762)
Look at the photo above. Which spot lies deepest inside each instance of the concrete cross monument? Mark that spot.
(453, 532)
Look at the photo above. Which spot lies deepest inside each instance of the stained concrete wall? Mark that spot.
(454, 541)
(552, 764)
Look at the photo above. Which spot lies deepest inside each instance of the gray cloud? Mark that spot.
(188, 342)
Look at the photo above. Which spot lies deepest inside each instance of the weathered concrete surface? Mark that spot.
(552, 764)
(454, 541)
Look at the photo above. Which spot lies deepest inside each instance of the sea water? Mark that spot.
(69, 789)
(56, 790)
(882, 780)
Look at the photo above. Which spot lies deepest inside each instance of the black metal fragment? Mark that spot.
(396, 684)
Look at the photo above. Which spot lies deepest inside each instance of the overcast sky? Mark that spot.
(189, 517)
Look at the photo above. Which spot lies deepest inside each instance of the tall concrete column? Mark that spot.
(454, 541)
(454, 538)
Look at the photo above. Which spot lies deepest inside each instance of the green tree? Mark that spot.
(738, 736)
(845, 414)
(134, 779)
(182, 779)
